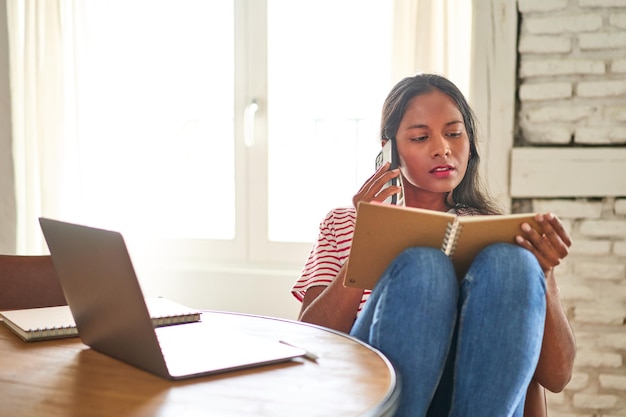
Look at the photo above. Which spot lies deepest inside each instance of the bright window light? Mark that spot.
(156, 110)
(329, 72)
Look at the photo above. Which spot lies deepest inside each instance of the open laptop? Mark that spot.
(110, 312)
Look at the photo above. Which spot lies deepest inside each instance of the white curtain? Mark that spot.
(433, 36)
(41, 44)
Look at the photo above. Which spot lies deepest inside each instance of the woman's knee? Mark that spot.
(510, 257)
(424, 269)
(507, 265)
(423, 255)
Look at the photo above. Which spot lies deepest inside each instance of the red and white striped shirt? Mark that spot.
(329, 253)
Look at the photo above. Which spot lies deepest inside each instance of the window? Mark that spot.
(222, 130)
(162, 100)
(156, 118)
(326, 86)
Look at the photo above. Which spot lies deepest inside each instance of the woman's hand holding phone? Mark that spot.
(375, 188)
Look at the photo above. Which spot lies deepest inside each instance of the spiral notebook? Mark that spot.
(383, 231)
(45, 323)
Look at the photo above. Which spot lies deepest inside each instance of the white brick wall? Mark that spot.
(595, 89)
(545, 91)
(617, 382)
(593, 290)
(607, 40)
(604, 228)
(548, 24)
(600, 135)
(570, 209)
(618, 20)
(575, 66)
(602, 3)
(545, 44)
(572, 65)
(572, 78)
(529, 6)
(547, 134)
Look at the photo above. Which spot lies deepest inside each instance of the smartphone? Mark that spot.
(389, 153)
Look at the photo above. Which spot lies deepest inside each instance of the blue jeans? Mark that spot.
(468, 350)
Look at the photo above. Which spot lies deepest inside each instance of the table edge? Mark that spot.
(389, 404)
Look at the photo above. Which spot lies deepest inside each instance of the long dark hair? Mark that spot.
(470, 191)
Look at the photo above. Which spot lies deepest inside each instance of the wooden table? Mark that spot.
(65, 378)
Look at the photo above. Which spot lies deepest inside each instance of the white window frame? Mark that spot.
(252, 218)
(251, 247)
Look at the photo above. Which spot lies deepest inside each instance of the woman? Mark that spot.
(470, 349)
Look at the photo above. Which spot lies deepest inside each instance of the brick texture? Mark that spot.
(571, 68)
(572, 92)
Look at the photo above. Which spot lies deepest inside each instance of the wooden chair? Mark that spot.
(29, 282)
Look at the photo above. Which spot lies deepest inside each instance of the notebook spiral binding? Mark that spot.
(54, 332)
(453, 230)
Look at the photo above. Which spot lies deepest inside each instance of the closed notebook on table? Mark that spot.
(57, 322)
(383, 231)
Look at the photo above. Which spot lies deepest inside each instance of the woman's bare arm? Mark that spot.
(550, 246)
(334, 306)
(558, 350)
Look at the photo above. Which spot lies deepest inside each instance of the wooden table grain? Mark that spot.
(65, 378)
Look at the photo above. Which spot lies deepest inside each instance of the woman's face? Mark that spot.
(433, 145)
